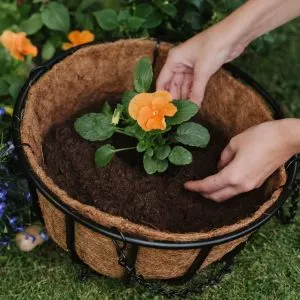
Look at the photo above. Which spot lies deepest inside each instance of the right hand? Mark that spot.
(190, 65)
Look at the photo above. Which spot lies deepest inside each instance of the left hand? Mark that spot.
(249, 159)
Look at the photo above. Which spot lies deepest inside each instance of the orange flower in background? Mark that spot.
(77, 38)
(150, 109)
(18, 44)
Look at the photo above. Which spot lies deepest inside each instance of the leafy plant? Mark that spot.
(157, 123)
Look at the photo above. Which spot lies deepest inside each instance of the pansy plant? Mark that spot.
(159, 124)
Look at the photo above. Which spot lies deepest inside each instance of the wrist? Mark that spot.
(290, 133)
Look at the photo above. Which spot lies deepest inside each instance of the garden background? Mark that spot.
(268, 268)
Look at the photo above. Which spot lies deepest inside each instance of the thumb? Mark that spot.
(198, 86)
(227, 156)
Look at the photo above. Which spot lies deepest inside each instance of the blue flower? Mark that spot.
(12, 222)
(27, 196)
(2, 111)
(2, 209)
(44, 236)
(29, 237)
(3, 194)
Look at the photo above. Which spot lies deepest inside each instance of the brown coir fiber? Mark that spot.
(84, 78)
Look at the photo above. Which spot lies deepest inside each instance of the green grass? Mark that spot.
(268, 268)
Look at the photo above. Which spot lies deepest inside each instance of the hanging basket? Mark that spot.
(84, 76)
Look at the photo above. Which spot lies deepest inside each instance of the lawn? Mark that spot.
(268, 268)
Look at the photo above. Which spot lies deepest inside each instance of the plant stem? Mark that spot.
(119, 130)
(124, 149)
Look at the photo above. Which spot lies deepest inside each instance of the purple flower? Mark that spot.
(2, 209)
(12, 222)
(27, 196)
(20, 228)
(2, 111)
(29, 237)
(3, 194)
(44, 236)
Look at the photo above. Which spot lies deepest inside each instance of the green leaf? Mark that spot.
(150, 164)
(117, 114)
(136, 131)
(197, 3)
(32, 25)
(143, 10)
(142, 146)
(113, 4)
(180, 156)
(3, 87)
(166, 7)
(84, 21)
(56, 17)
(149, 152)
(192, 134)
(185, 110)
(194, 19)
(48, 50)
(106, 109)
(134, 23)
(107, 19)
(86, 4)
(143, 75)
(123, 15)
(162, 165)
(16, 87)
(162, 152)
(94, 127)
(126, 98)
(154, 20)
(104, 155)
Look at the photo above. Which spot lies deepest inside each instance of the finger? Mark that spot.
(176, 84)
(223, 194)
(227, 156)
(186, 86)
(165, 76)
(208, 185)
(198, 86)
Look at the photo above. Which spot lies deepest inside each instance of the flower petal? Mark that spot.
(156, 123)
(74, 37)
(7, 39)
(86, 37)
(137, 103)
(144, 114)
(169, 110)
(67, 46)
(28, 48)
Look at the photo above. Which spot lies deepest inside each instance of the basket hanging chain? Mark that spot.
(156, 288)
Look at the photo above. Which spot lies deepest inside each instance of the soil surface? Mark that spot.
(159, 201)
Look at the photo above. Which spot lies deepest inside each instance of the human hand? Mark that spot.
(190, 65)
(250, 158)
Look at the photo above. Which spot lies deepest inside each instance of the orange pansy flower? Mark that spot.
(150, 109)
(77, 37)
(18, 44)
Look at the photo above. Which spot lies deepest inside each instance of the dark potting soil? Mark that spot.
(124, 189)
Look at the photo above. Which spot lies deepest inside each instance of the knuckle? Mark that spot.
(247, 186)
(232, 143)
(235, 179)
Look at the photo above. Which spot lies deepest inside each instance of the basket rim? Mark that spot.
(291, 167)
